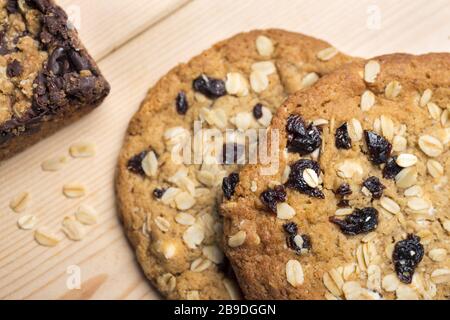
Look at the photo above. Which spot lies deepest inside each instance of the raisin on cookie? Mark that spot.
(48, 78)
(365, 215)
(170, 208)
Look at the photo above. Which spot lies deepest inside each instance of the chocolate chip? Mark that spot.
(344, 190)
(391, 168)
(56, 61)
(12, 6)
(83, 88)
(379, 148)
(406, 256)
(232, 153)
(182, 103)
(14, 69)
(374, 185)
(229, 185)
(158, 193)
(41, 99)
(210, 87)
(271, 197)
(342, 138)
(297, 182)
(135, 163)
(78, 61)
(301, 139)
(360, 221)
(4, 137)
(257, 111)
(41, 5)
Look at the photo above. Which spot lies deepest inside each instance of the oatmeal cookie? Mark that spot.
(358, 207)
(169, 207)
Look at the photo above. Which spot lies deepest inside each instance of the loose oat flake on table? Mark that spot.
(20, 202)
(372, 197)
(169, 208)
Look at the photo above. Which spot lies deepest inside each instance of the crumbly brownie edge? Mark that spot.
(43, 130)
(69, 85)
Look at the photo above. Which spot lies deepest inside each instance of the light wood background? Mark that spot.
(136, 42)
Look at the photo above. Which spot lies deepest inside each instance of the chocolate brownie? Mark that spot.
(47, 78)
(169, 207)
(358, 207)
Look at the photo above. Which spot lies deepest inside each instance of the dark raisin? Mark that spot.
(406, 257)
(14, 69)
(210, 87)
(307, 244)
(360, 221)
(232, 153)
(291, 228)
(344, 203)
(182, 103)
(257, 111)
(374, 185)
(379, 148)
(342, 138)
(391, 168)
(229, 185)
(344, 190)
(301, 139)
(158, 193)
(271, 197)
(135, 163)
(297, 182)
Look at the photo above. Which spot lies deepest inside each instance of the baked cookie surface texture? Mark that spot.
(358, 207)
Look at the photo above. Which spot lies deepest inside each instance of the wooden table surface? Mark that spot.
(136, 42)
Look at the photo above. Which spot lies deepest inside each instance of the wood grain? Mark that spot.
(108, 268)
(106, 25)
